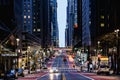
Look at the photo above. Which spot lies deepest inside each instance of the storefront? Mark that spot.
(8, 60)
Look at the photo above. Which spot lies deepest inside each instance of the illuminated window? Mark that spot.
(28, 17)
(102, 24)
(34, 30)
(102, 17)
(89, 22)
(24, 16)
(28, 5)
(38, 30)
(28, 10)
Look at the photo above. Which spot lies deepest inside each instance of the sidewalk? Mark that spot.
(94, 76)
(49, 64)
(35, 74)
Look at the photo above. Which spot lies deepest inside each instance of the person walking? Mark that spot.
(74, 66)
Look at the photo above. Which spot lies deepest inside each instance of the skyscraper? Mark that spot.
(70, 23)
(54, 23)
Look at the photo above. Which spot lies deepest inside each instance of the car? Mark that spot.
(11, 74)
(54, 70)
(103, 69)
(20, 72)
(44, 66)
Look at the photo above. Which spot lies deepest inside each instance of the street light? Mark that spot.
(18, 51)
(117, 45)
(17, 39)
(28, 58)
(98, 45)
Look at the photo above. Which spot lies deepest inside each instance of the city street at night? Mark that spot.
(59, 40)
(66, 72)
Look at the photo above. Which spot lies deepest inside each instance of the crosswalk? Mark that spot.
(68, 70)
(63, 70)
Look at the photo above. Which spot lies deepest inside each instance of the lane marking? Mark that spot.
(86, 77)
(63, 76)
(42, 76)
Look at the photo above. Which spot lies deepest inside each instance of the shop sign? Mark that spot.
(8, 54)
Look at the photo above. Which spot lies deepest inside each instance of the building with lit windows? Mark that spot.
(99, 20)
(54, 23)
(10, 23)
(107, 21)
(37, 19)
(86, 21)
(77, 32)
(27, 16)
(70, 23)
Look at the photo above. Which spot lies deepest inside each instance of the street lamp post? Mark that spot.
(17, 50)
(28, 59)
(117, 56)
(97, 50)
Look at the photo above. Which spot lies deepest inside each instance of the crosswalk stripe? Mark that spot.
(65, 69)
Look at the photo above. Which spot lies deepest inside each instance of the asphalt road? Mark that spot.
(65, 72)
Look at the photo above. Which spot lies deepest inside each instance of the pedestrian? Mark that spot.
(91, 67)
(81, 68)
(74, 66)
(22, 67)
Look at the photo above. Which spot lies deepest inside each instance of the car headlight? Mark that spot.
(56, 70)
(51, 70)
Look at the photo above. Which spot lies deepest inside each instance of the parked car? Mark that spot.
(44, 66)
(10, 74)
(20, 72)
(103, 69)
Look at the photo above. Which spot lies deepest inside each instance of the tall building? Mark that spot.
(77, 27)
(86, 21)
(107, 21)
(26, 29)
(54, 23)
(7, 19)
(27, 16)
(70, 23)
(10, 23)
(37, 22)
(46, 24)
(99, 20)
